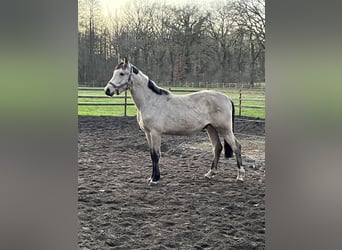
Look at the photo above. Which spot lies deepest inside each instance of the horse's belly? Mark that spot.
(180, 132)
(182, 127)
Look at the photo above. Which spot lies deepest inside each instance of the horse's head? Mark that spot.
(121, 79)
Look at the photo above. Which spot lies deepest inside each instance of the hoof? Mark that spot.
(241, 174)
(239, 179)
(210, 174)
(151, 182)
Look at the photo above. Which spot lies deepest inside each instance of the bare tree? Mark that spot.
(90, 11)
(222, 29)
(251, 18)
(174, 43)
(187, 25)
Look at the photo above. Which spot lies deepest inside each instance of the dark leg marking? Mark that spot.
(218, 150)
(228, 151)
(155, 166)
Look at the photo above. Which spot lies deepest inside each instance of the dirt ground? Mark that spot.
(117, 209)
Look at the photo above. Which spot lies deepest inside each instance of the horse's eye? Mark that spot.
(121, 74)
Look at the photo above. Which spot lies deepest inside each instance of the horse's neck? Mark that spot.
(139, 90)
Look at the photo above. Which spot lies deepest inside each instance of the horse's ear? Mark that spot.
(125, 60)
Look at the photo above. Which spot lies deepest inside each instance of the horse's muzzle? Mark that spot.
(108, 92)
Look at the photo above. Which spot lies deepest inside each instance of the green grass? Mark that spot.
(106, 110)
(131, 110)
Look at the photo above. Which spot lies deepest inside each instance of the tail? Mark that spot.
(228, 151)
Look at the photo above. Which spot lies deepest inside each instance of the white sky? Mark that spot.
(117, 4)
(111, 4)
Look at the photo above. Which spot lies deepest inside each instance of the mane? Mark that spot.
(152, 86)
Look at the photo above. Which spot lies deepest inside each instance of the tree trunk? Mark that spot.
(172, 61)
(187, 61)
(252, 65)
(224, 65)
(240, 62)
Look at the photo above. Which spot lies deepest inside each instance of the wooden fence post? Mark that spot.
(125, 107)
(240, 101)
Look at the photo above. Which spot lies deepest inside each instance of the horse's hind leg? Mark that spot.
(217, 149)
(235, 146)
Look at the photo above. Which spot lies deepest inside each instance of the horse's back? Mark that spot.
(217, 108)
(186, 114)
(213, 101)
(204, 94)
(209, 105)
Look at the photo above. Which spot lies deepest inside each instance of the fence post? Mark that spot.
(240, 101)
(125, 107)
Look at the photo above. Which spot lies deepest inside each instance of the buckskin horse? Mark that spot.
(160, 112)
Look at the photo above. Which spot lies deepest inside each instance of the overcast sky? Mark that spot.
(117, 4)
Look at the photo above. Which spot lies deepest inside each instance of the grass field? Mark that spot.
(249, 98)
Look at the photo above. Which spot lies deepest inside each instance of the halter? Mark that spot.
(127, 83)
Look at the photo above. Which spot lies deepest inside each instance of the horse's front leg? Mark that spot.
(154, 141)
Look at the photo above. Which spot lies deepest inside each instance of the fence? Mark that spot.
(219, 85)
(240, 102)
(204, 85)
(124, 104)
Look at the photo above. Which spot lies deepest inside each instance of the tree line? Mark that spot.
(224, 42)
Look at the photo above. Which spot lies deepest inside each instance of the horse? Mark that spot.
(159, 112)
